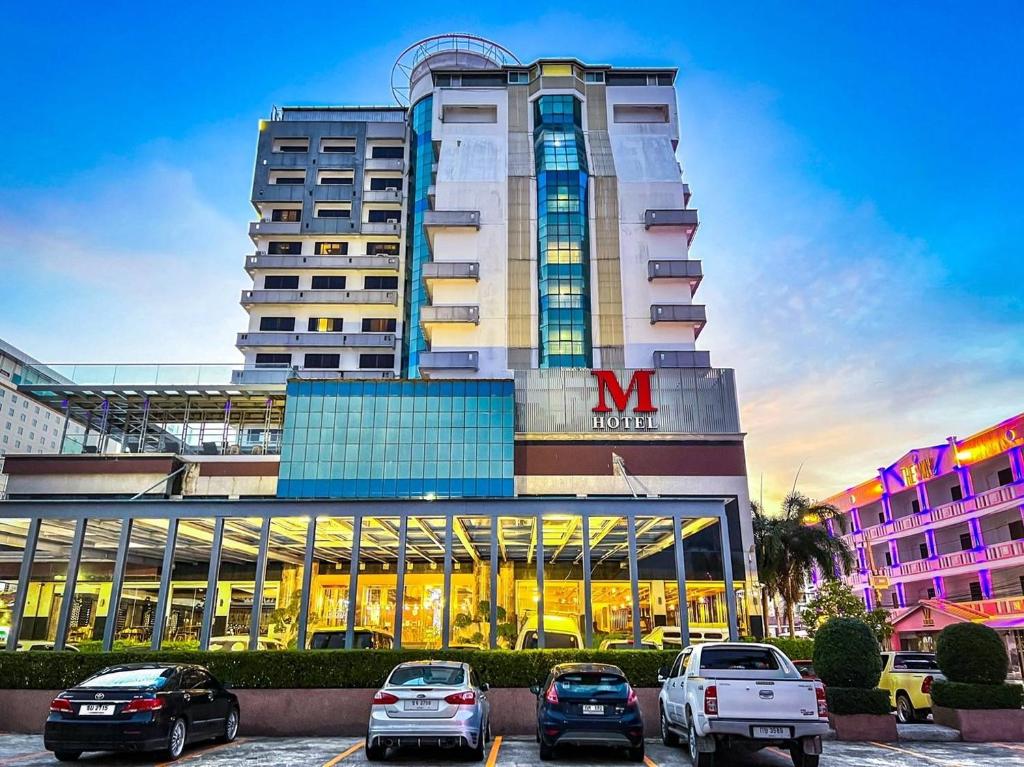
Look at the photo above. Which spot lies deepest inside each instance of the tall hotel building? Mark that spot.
(471, 398)
(939, 536)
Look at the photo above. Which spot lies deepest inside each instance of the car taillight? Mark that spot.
(819, 693)
(551, 696)
(467, 698)
(926, 685)
(381, 698)
(631, 700)
(711, 700)
(142, 704)
(62, 705)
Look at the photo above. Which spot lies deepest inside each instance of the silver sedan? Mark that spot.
(429, 703)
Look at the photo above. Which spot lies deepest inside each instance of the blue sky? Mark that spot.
(858, 173)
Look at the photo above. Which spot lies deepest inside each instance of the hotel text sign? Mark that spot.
(638, 389)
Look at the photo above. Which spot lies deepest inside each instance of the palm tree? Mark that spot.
(790, 544)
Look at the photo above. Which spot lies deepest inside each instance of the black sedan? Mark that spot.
(588, 704)
(141, 707)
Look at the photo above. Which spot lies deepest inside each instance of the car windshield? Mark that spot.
(137, 678)
(916, 663)
(592, 685)
(427, 676)
(739, 659)
(553, 640)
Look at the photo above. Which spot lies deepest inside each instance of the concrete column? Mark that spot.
(886, 500)
(922, 496)
(1017, 463)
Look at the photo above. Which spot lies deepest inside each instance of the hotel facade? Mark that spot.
(939, 536)
(471, 396)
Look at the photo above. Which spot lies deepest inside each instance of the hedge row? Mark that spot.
(324, 668)
(855, 700)
(977, 696)
(794, 649)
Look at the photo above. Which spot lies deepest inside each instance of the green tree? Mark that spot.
(789, 544)
(836, 600)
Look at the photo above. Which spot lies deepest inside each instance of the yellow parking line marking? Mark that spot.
(19, 757)
(492, 757)
(201, 751)
(344, 754)
(649, 763)
(918, 754)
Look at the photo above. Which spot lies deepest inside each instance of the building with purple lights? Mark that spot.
(939, 536)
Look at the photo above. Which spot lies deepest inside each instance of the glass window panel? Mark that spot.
(656, 573)
(15, 533)
(471, 581)
(187, 595)
(47, 581)
(563, 581)
(705, 586)
(517, 577)
(236, 578)
(91, 605)
(377, 584)
(136, 612)
(423, 600)
(332, 565)
(612, 597)
(282, 587)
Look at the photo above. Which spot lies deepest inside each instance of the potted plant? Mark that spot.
(847, 659)
(974, 698)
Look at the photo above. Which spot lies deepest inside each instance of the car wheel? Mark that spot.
(67, 756)
(230, 727)
(637, 754)
(668, 737)
(547, 753)
(800, 759)
(176, 739)
(697, 758)
(905, 712)
(375, 752)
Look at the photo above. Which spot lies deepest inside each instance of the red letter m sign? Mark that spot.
(640, 383)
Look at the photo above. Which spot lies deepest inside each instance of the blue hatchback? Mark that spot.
(588, 704)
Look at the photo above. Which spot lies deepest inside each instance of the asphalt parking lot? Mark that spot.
(27, 751)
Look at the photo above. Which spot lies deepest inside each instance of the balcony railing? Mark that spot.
(995, 552)
(684, 218)
(334, 192)
(250, 297)
(324, 339)
(449, 361)
(383, 163)
(663, 269)
(382, 195)
(279, 193)
(682, 359)
(382, 227)
(369, 263)
(691, 314)
(451, 270)
(450, 314)
(269, 228)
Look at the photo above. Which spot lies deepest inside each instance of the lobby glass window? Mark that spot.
(380, 184)
(471, 581)
(563, 578)
(329, 282)
(374, 361)
(423, 600)
(136, 612)
(325, 324)
(382, 248)
(332, 566)
(705, 584)
(282, 586)
(291, 215)
(281, 282)
(518, 594)
(47, 581)
(379, 324)
(331, 249)
(15, 533)
(387, 152)
(236, 579)
(187, 595)
(611, 592)
(377, 581)
(268, 360)
(91, 597)
(284, 248)
(656, 573)
(376, 282)
(277, 323)
(322, 361)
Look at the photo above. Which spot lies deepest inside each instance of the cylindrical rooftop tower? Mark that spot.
(454, 50)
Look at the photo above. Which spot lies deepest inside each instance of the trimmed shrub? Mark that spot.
(976, 696)
(846, 654)
(971, 653)
(794, 649)
(325, 668)
(854, 700)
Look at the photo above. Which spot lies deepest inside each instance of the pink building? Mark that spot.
(939, 536)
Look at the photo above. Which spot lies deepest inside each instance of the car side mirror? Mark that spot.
(663, 673)
(484, 687)
(226, 684)
(662, 679)
(535, 689)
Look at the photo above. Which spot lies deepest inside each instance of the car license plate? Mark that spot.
(771, 732)
(96, 709)
(421, 705)
(587, 709)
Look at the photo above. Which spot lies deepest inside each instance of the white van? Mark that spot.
(669, 637)
(560, 633)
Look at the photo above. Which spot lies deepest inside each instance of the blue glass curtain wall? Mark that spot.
(421, 161)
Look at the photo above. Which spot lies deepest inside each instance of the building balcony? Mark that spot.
(694, 315)
(368, 263)
(270, 228)
(251, 297)
(279, 193)
(691, 271)
(436, 220)
(686, 195)
(326, 339)
(392, 228)
(434, 271)
(382, 195)
(383, 163)
(331, 225)
(682, 359)
(683, 218)
(334, 192)
(431, 316)
(1009, 553)
(336, 160)
(449, 361)
(282, 375)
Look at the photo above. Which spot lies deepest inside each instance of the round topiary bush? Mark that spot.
(846, 654)
(971, 653)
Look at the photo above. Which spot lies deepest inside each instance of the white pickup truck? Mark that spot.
(741, 695)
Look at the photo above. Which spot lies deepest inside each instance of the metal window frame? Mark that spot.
(70, 581)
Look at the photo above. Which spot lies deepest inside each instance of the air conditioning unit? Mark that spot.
(392, 220)
(261, 252)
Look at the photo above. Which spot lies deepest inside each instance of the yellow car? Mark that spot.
(908, 676)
